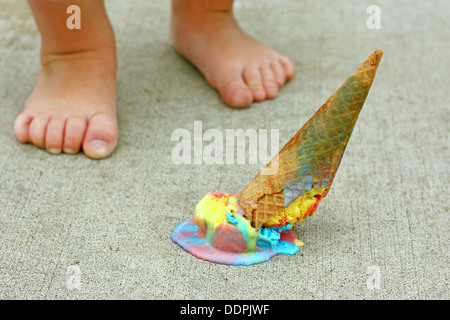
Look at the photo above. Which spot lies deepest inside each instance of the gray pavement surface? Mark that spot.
(110, 221)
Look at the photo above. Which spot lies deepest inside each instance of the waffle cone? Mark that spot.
(311, 158)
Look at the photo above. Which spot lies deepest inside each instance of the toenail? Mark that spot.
(54, 151)
(69, 151)
(237, 91)
(99, 145)
(237, 98)
(259, 92)
(272, 90)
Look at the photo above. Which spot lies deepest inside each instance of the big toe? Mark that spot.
(235, 92)
(101, 136)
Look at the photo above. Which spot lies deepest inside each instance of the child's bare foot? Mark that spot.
(73, 104)
(240, 67)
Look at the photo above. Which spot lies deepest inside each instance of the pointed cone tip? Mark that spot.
(373, 61)
(375, 57)
(366, 71)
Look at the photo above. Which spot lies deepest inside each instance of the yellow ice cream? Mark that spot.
(299, 210)
(210, 212)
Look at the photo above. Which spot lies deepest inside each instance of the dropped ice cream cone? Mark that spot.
(307, 164)
(226, 228)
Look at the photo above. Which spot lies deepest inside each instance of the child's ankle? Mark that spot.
(105, 52)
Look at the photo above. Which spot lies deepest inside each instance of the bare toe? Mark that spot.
(74, 134)
(37, 130)
(101, 136)
(55, 135)
(235, 92)
(280, 74)
(269, 81)
(252, 77)
(22, 127)
(288, 67)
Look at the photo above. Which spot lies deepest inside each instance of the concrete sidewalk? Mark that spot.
(111, 220)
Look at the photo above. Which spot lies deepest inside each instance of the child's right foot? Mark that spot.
(73, 105)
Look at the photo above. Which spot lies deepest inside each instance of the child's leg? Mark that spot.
(243, 69)
(73, 103)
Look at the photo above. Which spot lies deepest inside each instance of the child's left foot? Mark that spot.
(240, 67)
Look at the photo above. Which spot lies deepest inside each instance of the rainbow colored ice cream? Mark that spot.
(219, 233)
